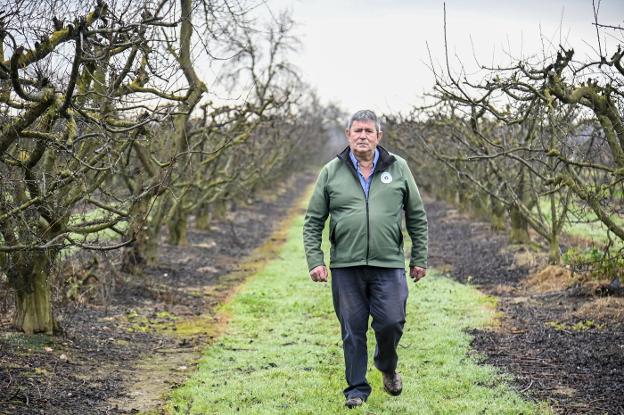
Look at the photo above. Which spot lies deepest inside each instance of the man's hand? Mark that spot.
(417, 273)
(319, 274)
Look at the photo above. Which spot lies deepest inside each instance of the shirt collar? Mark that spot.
(357, 164)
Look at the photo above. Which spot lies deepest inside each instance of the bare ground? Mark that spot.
(562, 340)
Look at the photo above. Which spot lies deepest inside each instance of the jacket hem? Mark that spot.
(380, 264)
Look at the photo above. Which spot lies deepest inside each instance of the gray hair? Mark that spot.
(364, 115)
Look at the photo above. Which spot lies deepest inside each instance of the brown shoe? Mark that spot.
(354, 402)
(393, 383)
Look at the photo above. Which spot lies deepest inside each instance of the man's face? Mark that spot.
(363, 137)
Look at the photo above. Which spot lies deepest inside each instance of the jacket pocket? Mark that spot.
(332, 233)
(332, 241)
(399, 239)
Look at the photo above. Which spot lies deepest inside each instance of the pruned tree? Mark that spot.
(103, 130)
(534, 137)
(66, 131)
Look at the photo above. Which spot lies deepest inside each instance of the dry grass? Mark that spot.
(528, 256)
(602, 308)
(551, 278)
(454, 215)
(445, 269)
(502, 289)
(557, 278)
(526, 259)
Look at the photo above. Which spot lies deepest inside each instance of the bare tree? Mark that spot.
(534, 137)
(108, 126)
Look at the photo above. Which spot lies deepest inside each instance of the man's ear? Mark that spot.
(379, 135)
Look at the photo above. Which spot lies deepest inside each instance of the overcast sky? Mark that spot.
(373, 53)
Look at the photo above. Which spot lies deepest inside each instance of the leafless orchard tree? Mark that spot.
(533, 137)
(67, 127)
(107, 125)
(259, 60)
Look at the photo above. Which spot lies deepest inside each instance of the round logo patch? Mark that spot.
(386, 177)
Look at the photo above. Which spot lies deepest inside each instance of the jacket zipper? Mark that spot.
(357, 179)
(382, 164)
(367, 218)
(367, 215)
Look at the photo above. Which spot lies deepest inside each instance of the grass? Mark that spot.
(21, 341)
(281, 352)
(582, 222)
(97, 214)
(94, 238)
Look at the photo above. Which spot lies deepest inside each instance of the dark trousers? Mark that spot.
(360, 292)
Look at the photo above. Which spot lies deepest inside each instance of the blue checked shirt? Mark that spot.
(365, 183)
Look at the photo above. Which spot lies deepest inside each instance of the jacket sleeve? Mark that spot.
(314, 222)
(415, 220)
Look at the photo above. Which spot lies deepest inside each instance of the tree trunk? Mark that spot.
(178, 228)
(519, 227)
(497, 210)
(178, 225)
(142, 252)
(479, 206)
(519, 223)
(204, 217)
(33, 307)
(463, 201)
(554, 253)
(219, 209)
(144, 249)
(446, 194)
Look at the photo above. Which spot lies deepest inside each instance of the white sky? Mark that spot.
(373, 54)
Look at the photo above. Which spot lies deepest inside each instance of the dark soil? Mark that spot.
(115, 323)
(556, 354)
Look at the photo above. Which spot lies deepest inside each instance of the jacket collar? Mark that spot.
(385, 158)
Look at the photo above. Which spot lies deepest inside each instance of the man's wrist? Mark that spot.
(315, 266)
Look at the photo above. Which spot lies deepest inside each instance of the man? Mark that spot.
(364, 190)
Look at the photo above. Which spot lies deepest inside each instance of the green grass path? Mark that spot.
(281, 351)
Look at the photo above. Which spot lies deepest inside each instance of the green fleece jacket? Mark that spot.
(366, 231)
